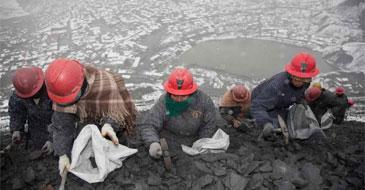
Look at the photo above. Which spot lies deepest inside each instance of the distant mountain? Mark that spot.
(346, 18)
(10, 9)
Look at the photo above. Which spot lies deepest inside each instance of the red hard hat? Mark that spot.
(240, 93)
(340, 91)
(64, 79)
(312, 94)
(303, 65)
(180, 82)
(28, 81)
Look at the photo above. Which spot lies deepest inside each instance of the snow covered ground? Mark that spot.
(139, 39)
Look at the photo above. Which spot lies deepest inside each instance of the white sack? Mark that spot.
(327, 120)
(108, 157)
(218, 143)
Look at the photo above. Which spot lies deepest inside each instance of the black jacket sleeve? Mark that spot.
(18, 113)
(63, 129)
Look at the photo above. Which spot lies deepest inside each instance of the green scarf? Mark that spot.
(173, 108)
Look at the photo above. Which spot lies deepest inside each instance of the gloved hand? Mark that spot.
(236, 123)
(350, 102)
(15, 138)
(108, 130)
(64, 163)
(155, 150)
(47, 148)
(268, 130)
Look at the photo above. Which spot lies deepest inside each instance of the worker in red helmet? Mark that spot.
(339, 112)
(182, 115)
(86, 95)
(274, 96)
(320, 101)
(30, 105)
(234, 106)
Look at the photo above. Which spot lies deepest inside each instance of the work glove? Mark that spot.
(268, 130)
(155, 150)
(64, 164)
(236, 123)
(47, 148)
(107, 130)
(16, 137)
(350, 102)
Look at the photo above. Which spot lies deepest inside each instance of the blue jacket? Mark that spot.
(274, 96)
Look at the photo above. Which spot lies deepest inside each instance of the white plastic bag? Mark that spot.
(218, 143)
(302, 123)
(108, 157)
(327, 120)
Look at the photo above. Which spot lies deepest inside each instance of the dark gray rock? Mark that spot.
(341, 170)
(29, 175)
(266, 167)
(218, 156)
(312, 174)
(217, 185)
(123, 181)
(248, 159)
(243, 151)
(300, 156)
(256, 181)
(153, 179)
(142, 154)
(242, 169)
(280, 169)
(18, 183)
(203, 181)
(110, 186)
(331, 159)
(286, 172)
(201, 166)
(299, 181)
(140, 185)
(342, 156)
(354, 181)
(235, 182)
(286, 185)
(340, 185)
(252, 166)
(218, 169)
(170, 180)
(233, 164)
(297, 147)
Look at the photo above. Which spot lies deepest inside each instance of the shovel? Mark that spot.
(63, 180)
(165, 154)
(283, 129)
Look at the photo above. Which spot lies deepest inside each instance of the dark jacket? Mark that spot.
(273, 97)
(327, 100)
(198, 121)
(330, 101)
(339, 111)
(66, 126)
(66, 122)
(37, 116)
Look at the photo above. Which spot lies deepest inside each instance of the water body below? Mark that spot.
(248, 57)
